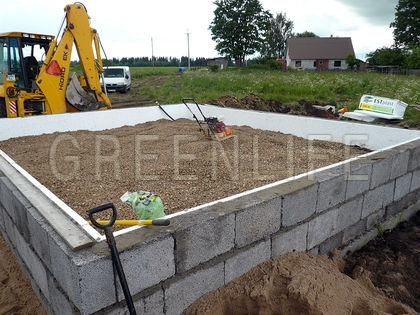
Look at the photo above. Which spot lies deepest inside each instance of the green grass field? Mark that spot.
(143, 72)
(341, 88)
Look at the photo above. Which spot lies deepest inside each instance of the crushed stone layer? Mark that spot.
(172, 159)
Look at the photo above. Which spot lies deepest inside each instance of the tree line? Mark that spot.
(153, 62)
(156, 62)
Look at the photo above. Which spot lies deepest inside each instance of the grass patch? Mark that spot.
(343, 89)
(143, 72)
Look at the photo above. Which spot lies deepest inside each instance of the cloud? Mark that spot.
(365, 21)
(374, 12)
(127, 29)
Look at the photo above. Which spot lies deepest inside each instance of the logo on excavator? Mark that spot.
(62, 78)
(63, 71)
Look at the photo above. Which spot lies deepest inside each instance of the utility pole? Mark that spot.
(153, 62)
(188, 42)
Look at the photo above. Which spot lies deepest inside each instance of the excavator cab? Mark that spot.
(20, 56)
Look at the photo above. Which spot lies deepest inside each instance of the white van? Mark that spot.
(117, 79)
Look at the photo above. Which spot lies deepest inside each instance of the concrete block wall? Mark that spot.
(168, 268)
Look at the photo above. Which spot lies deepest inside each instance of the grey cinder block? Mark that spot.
(33, 263)
(244, 261)
(381, 169)
(16, 205)
(322, 227)
(300, 204)
(291, 240)
(377, 198)
(415, 180)
(58, 301)
(258, 221)
(354, 231)
(148, 264)
(414, 161)
(402, 186)
(204, 240)
(349, 213)
(154, 303)
(334, 241)
(332, 189)
(399, 164)
(358, 178)
(180, 294)
(39, 232)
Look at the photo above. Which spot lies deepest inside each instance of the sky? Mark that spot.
(166, 28)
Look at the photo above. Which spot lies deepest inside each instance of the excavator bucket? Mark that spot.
(79, 97)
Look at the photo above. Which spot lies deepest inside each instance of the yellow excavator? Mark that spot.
(35, 69)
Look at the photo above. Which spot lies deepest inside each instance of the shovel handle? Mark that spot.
(161, 222)
(101, 208)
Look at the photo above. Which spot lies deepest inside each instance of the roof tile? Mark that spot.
(319, 48)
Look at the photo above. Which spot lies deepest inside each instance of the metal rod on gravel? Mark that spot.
(113, 248)
(170, 117)
(184, 100)
(196, 104)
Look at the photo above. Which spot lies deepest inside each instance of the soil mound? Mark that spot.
(299, 283)
(381, 278)
(255, 102)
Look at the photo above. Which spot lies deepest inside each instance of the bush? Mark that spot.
(268, 64)
(413, 60)
(214, 68)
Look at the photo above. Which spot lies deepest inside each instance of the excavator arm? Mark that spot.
(66, 92)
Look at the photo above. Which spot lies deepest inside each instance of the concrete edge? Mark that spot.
(62, 218)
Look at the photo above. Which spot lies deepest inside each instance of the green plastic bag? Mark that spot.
(146, 205)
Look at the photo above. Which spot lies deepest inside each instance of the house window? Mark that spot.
(337, 63)
(314, 64)
(298, 63)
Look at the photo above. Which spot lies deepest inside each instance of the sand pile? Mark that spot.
(299, 283)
